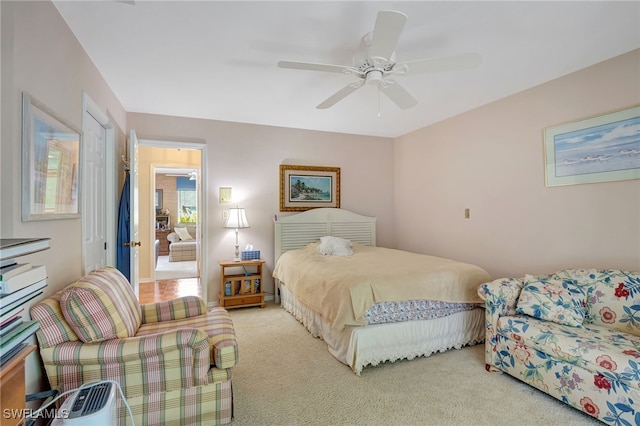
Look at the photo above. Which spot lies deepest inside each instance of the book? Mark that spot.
(18, 335)
(7, 262)
(17, 298)
(10, 325)
(21, 302)
(15, 247)
(10, 314)
(23, 279)
(11, 271)
(7, 356)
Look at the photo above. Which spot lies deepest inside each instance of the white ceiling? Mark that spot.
(217, 59)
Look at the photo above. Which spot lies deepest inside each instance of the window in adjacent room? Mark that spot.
(187, 200)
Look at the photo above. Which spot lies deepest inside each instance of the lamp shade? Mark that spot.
(237, 219)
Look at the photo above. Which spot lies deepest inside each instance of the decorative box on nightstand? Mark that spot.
(241, 283)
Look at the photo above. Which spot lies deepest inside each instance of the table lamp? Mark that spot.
(236, 219)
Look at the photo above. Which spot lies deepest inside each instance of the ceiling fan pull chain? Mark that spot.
(379, 114)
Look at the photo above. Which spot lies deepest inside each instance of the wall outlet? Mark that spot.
(225, 214)
(467, 213)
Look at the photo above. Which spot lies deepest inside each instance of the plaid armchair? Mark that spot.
(172, 359)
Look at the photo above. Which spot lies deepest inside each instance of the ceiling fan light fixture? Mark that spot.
(374, 77)
(375, 63)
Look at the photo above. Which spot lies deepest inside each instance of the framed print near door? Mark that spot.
(50, 164)
(308, 187)
(598, 149)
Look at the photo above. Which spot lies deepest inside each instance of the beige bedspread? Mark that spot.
(342, 289)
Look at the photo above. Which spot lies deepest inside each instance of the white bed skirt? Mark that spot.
(358, 347)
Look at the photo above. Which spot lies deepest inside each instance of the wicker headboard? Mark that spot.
(296, 231)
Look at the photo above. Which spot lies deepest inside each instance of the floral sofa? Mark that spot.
(574, 334)
(172, 359)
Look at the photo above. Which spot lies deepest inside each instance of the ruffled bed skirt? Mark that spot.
(358, 347)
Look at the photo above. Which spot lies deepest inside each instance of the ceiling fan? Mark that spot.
(375, 63)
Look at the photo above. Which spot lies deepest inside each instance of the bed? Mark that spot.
(378, 304)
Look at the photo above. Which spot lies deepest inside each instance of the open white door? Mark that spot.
(133, 211)
(98, 190)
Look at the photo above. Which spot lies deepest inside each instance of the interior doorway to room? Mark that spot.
(176, 204)
(172, 220)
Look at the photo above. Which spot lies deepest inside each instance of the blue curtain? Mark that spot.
(124, 253)
(185, 184)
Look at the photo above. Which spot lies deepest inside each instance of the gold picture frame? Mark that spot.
(308, 187)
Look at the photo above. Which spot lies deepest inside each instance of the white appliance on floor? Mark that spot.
(93, 404)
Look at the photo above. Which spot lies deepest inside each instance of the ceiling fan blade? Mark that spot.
(310, 66)
(397, 94)
(450, 63)
(389, 25)
(340, 94)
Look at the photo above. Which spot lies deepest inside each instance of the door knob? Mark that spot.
(132, 243)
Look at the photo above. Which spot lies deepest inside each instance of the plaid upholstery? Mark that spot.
(101, 306)
(181, 251)
(176, 370)
(54, 329)
(187, 406)
(216, 324)
(182, 307)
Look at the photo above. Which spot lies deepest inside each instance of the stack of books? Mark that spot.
(19, 283)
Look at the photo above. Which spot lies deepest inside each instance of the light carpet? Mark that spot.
(166, 270)
(287, 377)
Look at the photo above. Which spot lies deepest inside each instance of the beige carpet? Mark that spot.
(287, 377)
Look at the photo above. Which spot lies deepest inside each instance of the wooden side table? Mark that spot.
(164, 243)
(243, 286)
(12, 388)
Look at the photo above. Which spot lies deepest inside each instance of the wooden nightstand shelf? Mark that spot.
(242, 286)
(12, 394)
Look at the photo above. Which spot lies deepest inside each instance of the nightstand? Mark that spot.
(241, 283)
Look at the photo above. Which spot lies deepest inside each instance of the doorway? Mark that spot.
(165, 205)
(176, 209)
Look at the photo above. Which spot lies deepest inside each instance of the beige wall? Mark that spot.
(247, 158)
(41, 56)
(491, 160)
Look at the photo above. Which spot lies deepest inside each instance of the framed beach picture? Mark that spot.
(308, 187)
(599, 149)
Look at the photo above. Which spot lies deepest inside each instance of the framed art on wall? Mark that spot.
(308, 187)
(158, 199)
(50, 164)
(598, 149)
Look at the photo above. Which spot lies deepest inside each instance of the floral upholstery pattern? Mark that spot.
(553, 300)
(414, 310)
(594, 367)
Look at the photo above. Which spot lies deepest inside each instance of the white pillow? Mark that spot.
(183, 234)
(334, 246)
